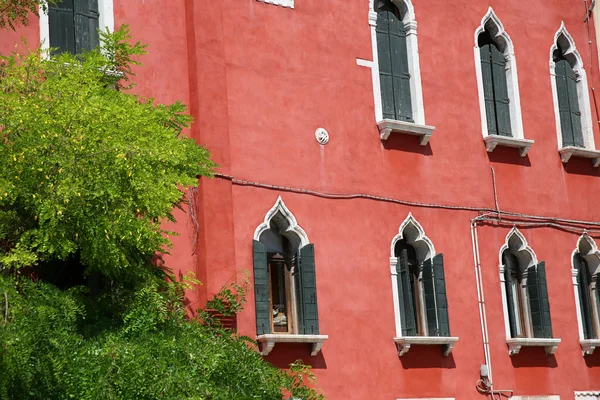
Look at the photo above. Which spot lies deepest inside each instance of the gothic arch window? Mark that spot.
(418, 283)
(586, 269)
(284, 276)
(396, 70)
(571, 99)
(524, 290)
(497, 81)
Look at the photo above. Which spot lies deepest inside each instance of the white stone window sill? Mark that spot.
(268, 341)
(404, 343)
(567, 152)
(389, 126)
(589, 345)
(515, 344)
(491, 141)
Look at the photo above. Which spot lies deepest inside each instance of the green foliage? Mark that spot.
(85, 167)
(16, 12)
(146, 351)
(88, 172)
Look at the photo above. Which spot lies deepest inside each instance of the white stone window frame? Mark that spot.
(587, 248)
(296, 234)
(552, 397)
(387, 126)
(567, 43)
(412, 232)
(282, 3)
(517, 244)
(106, 19)
(587, 395)
(493, 25)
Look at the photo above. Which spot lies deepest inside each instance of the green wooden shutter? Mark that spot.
(405, 296)
(86, 25)
(574, 106)
(585, 302)
(441, 300)
(501, 101)
(488, 88)
(430, 306)
(385, 65)
(298, 291)
(309, 290)
(509, 268)
(62, 28)
(261, 288)
(564, 107)
(538, 301)
(394, 75)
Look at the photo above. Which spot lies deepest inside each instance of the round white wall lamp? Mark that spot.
(322, 136)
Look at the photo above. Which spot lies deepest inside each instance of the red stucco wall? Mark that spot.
(260, 79)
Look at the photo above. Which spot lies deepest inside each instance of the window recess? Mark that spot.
(525, 297)
(571, 101)
(419, 288)
(285, 283)
(497, 81)
(586, 270)
(396, 70)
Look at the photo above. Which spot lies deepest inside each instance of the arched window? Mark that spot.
(419, 284)
(525, 292)
(586, 269)
(498, 87)
(571, 99)
(394, 74)
(284, 276)
(396, 71)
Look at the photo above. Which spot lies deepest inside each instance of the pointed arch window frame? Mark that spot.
(106, 20)
(515, 344)
(494, 26)
(425, 250)
(583, 95)
(268, 341)
(387, 126)
(587, 248)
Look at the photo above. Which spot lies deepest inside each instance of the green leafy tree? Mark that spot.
(17, 12)
(88, 173)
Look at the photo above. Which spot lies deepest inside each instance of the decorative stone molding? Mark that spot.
(322, 136)
(492, 24)
(404, 343)
(106, 20)
(589, 345)
(389, 126)
(567, 44)
(567, 152)
(515, 344)
(267, 342)
(491, 141)
(292, 231)
(282, 3)
(593, 395)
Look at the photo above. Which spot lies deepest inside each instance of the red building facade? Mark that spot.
(324, 163)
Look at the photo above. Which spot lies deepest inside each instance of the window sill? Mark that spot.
(589, 345)
(515, 344)
(268, 341)
(389, 126)
(567, 152)
(404, 343)
(492, 141)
